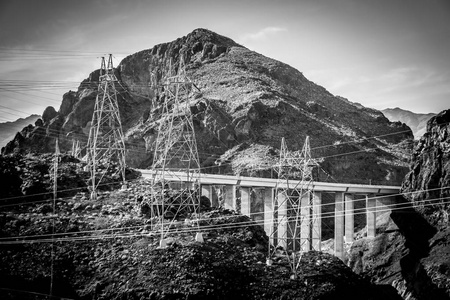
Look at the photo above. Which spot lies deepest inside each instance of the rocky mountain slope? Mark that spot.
(412, 251)
(109, 249)
(9, 129)
(417, 122)
(247, 103)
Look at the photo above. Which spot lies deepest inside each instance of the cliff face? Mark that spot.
(415, 256)
(427, 187)
(247, 102)
(427, 184)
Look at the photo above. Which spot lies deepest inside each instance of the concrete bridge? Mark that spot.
(256, 200)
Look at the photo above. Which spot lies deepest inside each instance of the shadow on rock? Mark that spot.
(417, 232)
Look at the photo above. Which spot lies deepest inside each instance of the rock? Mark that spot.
(48, 114)
(68, 102)
(78, 206)
(39, 123)
(430, 171)
(410, 256)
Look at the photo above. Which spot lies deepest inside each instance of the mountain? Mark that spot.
(417, 122)
(426, 186)
(412, 249)
(246, 103)
(9, 129)
(429, 175)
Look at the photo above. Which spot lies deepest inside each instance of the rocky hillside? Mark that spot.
(247, 103)
(412, 252)
(9, 129)
(428, 183)
(108, 248)
(417, 122)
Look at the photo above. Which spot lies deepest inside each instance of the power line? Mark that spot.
(342, 154)
(81, 188)
(207, 228)
(336, 155)
(58, 51)
(5, 107)
(349, 142)
(394, 206)
(22, 93)
(35, 293)
(60, 191)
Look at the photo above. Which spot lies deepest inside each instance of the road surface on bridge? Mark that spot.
(217, 179)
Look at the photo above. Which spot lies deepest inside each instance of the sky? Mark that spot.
(382, 54)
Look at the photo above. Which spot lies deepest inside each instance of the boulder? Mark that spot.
(48, 114)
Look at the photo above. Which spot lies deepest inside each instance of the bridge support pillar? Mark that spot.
(268, 212)
(317, 221)
(257, 204)
(349, 218)
(282, 221)
(245, 201)
(207, 191)
(371, 215)
(229, 196)
(339, 225)
(305, 231)
(215, 194)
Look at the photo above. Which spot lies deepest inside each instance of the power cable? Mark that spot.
(204, 228)
(28, 95)
(58, 51)
(5, 107)
(324, 146)
(60, 191)
(35, 293)
(363, 150)
(81, 188)
(357, 211)
(360, 151)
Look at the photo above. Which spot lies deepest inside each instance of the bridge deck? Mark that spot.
(216, 179)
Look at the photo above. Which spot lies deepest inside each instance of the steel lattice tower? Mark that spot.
(106, 143)
(307, 192)
(176, 149)
(292, 205)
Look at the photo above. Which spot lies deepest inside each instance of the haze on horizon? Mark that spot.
(382, 54)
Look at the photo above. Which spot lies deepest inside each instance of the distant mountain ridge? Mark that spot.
(9, 129)
(417, 122)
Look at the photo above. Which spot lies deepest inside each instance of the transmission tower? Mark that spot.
(176, 150)
(307, 192)
(106, 145)
(292, 206)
